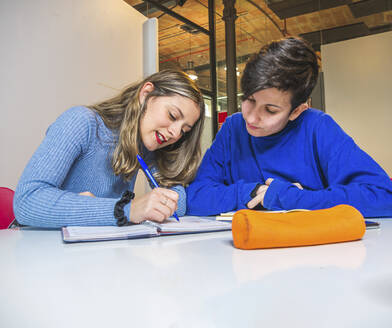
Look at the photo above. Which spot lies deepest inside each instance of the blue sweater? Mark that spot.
(75, 156)
(312, 150)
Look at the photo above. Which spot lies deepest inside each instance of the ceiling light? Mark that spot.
(190, 70)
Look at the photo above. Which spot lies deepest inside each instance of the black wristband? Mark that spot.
(253, 193)
(122, 220)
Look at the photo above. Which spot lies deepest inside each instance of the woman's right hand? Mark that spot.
(157, 205)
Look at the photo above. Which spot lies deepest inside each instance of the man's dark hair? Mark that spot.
(288, 64)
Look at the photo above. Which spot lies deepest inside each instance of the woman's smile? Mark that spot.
(160, 138)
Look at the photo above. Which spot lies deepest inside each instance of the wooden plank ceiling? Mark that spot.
(258, 22)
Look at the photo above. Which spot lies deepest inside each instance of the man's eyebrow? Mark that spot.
(273, 105)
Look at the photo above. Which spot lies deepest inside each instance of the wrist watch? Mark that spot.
(253, 193)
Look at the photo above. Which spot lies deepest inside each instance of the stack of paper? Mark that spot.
(228, 216)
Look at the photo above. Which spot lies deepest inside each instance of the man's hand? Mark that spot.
(260, 193)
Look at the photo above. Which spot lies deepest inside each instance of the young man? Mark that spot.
(280, 154)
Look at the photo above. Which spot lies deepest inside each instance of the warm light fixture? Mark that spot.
(190, 70)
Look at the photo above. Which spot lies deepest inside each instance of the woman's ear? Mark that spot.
(298, 111)
(145, 90)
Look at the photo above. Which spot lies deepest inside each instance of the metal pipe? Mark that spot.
(177, 16)
(229, 17)
(213, 78)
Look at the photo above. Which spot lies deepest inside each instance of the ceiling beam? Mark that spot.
(369, 7)
(291, 8)
(341, 33)
(147, 9)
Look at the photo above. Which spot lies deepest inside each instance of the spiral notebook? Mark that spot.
(187, 224)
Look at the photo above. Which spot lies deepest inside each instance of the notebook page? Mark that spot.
(191, 224)
(78, 233)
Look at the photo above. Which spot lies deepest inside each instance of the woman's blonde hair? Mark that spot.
(176, 163)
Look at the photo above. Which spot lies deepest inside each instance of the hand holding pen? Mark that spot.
(157, 205)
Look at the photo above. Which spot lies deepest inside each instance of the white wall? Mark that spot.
(56, 54)
(358, 89)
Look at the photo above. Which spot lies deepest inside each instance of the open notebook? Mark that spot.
(187, 224)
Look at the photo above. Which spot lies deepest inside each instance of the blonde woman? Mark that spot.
(91, 151)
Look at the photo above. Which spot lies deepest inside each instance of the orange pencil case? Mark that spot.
(253, 229)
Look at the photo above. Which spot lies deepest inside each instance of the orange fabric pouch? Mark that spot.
(253, 229)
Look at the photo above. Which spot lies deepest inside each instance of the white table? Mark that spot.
(193, 281)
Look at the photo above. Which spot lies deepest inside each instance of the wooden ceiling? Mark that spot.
(258, 22)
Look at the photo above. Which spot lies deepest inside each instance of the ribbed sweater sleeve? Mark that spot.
(40, 199)
(181, 205)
